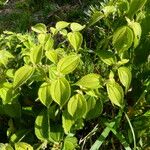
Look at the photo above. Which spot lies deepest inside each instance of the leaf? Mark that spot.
(102, 137)
(53, 72)
(68, 64)
(39, 28)
(61, 25)
(42, 126)
(109, 10)
(107, 57)
(67, 121)
(123, 39)
(36, 54)
(41, 38)
(136, 27)
(125, 76)
(52, 56)
(91, 81)
(49, 44)
(5, 147)
(23, 146)
(95, 18)
(18, 135)
(75, 39)
(76, 27)
(44, 94)
(115, 93)
(4, 57)
(135, 6)
(70, 143)
(94, 108)
(77, 106)
(22, 75)
(60, 91)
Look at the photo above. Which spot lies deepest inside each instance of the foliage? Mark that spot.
(66, 85)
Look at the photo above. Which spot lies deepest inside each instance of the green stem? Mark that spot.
(132, 130)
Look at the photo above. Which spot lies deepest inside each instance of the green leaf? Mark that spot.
(70, 143)
(76, 27)
(22, 75)
(60, 91)
(75, 39)
(67, 121)
(68, 64)
(36, 54)
(61, 25)
(115, 93)
(52, 56)
(23, 146)
(44, 94)
(135, 6)
(136, 27)
(39, 28)
(107, 57)
(41, 38)
(95, 18)
(94, 108)
(49, 44)
(109, 10)
(18, 135)
(125, 76)
(53, 72)
(42, 126)
(77, 106)
(91, 81)
(5, 147)
(4, 57)
(123, 38)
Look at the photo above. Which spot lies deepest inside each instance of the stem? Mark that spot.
(132, 130)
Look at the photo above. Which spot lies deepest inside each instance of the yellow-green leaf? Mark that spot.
(23, 146)
(76, 26)
(22, 75)
(52, 56)
(39, 28)
(123, 38)
(125, 76)
(44, 94)
(77, 106)
(61, 25)
(115, 93)
(60, 91)
(91, 81)
(75, 39)
(68, 64)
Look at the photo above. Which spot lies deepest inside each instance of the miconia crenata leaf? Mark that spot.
(136, 27)
(61, 25)
(135, 6)
(107, 57)
(115, 93)
(77, 106)
(123, 39)
(42, 126)
(36, 54)
(76, 26)
(49, 44)
(75, 39)
(52, 56)
(125, 76)
(68, 64)
(44, 94)
(22, 75)
(60, 91)
(67, 121)
(53, 72)
(70, 143)
(91, 81)
(39, 28)
(5, 147)
(23, 146)
(94, 108)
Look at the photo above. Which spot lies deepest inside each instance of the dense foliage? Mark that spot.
(78, 85)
